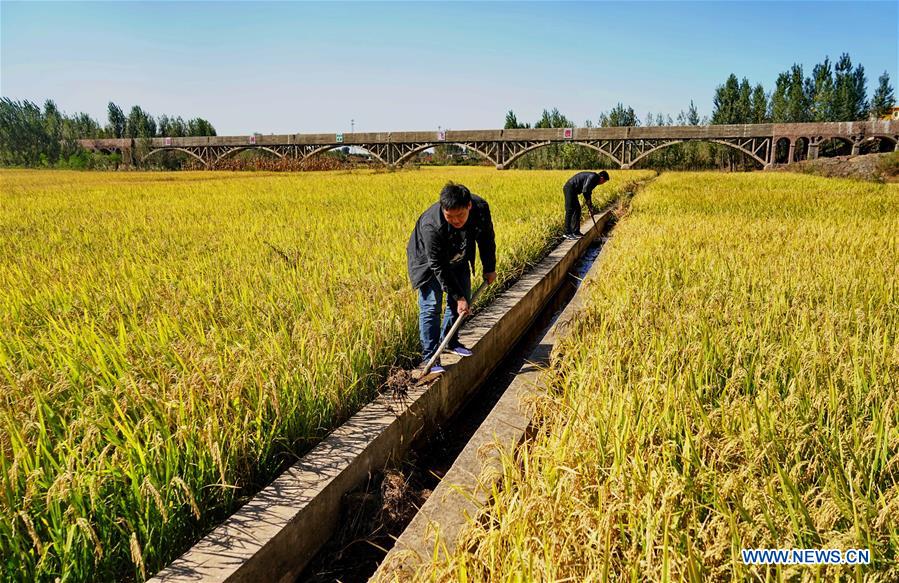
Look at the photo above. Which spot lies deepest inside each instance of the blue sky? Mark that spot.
(283, 67)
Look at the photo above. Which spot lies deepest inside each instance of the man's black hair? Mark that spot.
(454, 196)
(604, 175)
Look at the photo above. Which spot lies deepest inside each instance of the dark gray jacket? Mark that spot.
(583, 183)
(436, 249)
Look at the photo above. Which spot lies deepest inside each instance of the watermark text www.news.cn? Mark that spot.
(806, 556)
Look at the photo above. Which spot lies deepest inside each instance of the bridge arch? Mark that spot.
(539, 145)
(328, 148)
(836, 143)
(402, 159)
(883, 138)
(233, 151)
(752, 155)
(169, 149)
(780, 149)
(656, 149)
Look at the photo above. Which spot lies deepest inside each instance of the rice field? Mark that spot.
(168, 341)
(733, 383)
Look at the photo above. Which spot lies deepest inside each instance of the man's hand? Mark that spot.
(462, 307)
(490, 277)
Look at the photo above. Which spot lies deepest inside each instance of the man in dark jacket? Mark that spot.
(580, 183)
(440, 256)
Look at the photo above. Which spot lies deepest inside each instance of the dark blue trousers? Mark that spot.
(430, 300)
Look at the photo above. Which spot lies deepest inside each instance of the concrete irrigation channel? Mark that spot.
(465, 487)
(303, 526)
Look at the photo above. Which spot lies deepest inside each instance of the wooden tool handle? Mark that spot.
(452, 331)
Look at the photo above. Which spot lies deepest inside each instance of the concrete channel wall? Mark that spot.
(278, 531)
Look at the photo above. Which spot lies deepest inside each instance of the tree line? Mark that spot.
(832, 92)
(31, 135)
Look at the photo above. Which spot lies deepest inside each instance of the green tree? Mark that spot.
(76, 127)
(743, 112)
(798, 102)
(691, 155)
(177, 127)
(117, 120)
(512, 122)
(883, 99)
(725, 108)
(30, 135)
(759, 112)
(80, 126)
(849, 91)
(553, 156)
(164, 126)
(553, 119)
(140, 124)
(732, 105)
(23, 137)
(689, 117)
(822, 92)
(53, 129)
(619, 116)
(199, 127)
(779, 100)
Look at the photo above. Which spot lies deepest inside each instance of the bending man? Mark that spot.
(580, 183)
(440, 256)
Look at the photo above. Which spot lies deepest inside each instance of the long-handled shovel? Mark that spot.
(425, 375)
(590, 208)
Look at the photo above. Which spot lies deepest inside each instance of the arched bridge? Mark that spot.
(626, 146)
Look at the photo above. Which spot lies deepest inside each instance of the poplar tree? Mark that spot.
(759, 105)
(822, 93)
(779, 99)
(883, 99)
(797, 96)
(512, 122)
(725, 108)
(117, 120)
(849, 91)
(743, 113)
